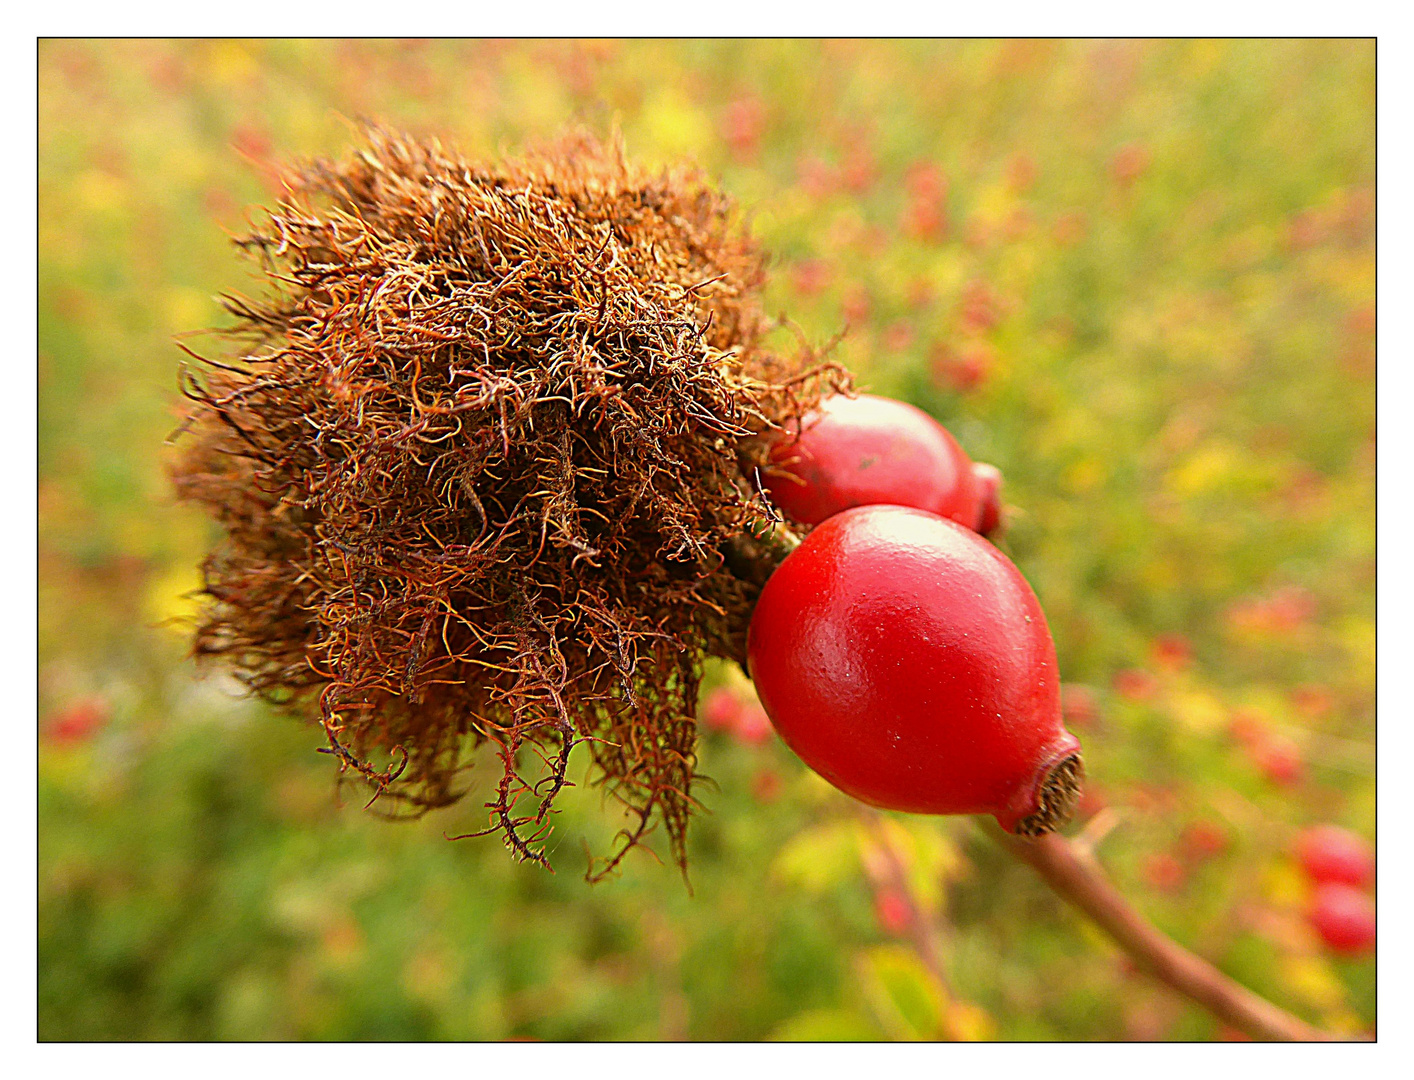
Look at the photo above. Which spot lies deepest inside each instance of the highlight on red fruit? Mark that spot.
(893, 911)
(908, 662)
(1330, 854)
(1344, 917)
(867, 450)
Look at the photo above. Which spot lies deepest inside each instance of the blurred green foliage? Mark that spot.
(1138, 277)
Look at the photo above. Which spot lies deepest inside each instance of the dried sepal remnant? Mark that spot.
(480, 451)
(1059, 798)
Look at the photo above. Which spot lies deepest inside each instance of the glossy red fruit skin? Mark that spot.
(988, 481)
(1330, 854)
(907, 661)
(1345, 918)
(866, 450)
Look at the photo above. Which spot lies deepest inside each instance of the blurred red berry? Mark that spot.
(1345, 919)
(893, 911)
(860, 170)
(1293, 606)
(925, 216)
(1147, 1020)
(218, 201)
(1129, 164)
(1248, 727)
(1171, 652)
(1332, 855)
(1356, 214)
(79, 721)
(1018, 223)
(857, 306)
(753, 726)
(972, 369)
(252, 142)
(1286, 610)
(1306, 490)
(1306, 228)
(963, 371)
(766, 786)
(1152, 798)
(721, 709)
(1134, 684)
(1280, 760)
(1312, 700)
(1069, 228)
(925, 181)
(1164, 873)
(1361, 322)
(743, 124)
(817, 177)
(170, 74)
(812, 277)
(1231, 1034)
(1021, 173)
(921, 292)
(1079, 706)
(978, 234)
(925, 220)
(980, 309)
(898, 337)
(1203, 839)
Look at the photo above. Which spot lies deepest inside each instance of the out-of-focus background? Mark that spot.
(1138, 277)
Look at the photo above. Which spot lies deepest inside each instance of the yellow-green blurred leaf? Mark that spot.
(826, 1025)
(904, 993)
(820, 857)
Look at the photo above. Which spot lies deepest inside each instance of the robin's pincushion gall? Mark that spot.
(483, 456)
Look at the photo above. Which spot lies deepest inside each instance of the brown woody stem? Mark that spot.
(1077, 876)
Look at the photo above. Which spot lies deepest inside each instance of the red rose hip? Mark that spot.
(907, 661)
(988, 481)
(1329, 853)
(868, 450)
(1345, 919)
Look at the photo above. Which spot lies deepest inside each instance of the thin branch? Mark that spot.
(1078, 878)
(921, 932)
